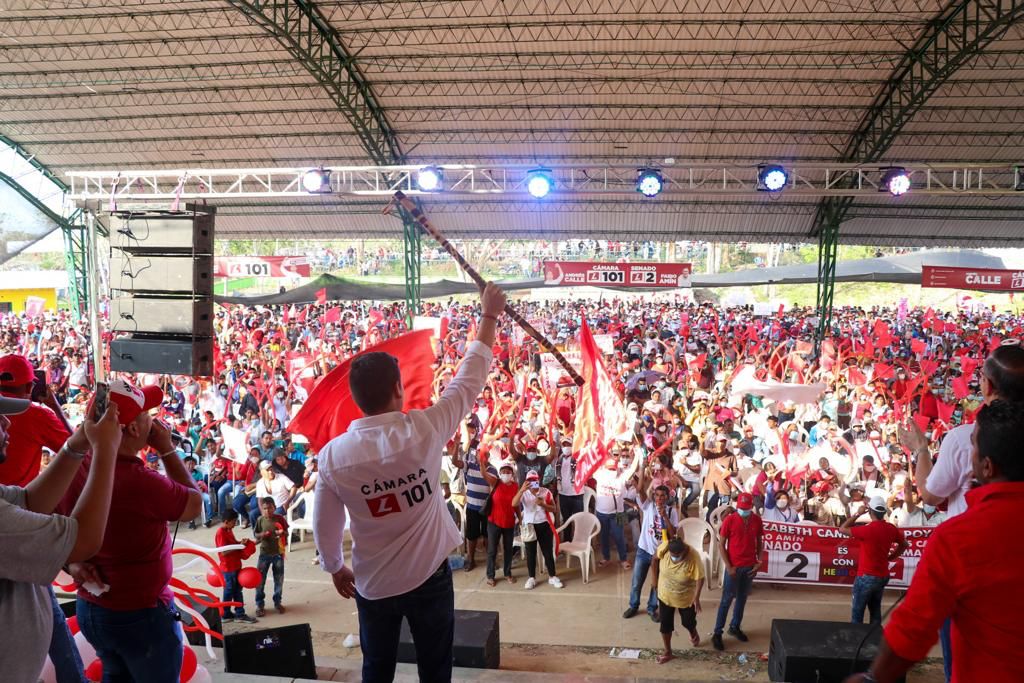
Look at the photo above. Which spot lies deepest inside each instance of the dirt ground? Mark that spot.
(570, 630)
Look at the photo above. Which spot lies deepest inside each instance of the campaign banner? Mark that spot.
(982, 279)
(602, 274)
(809, 553)
(261, 266)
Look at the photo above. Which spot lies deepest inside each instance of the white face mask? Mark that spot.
(676, 558)
(506, 478)
(782, 504)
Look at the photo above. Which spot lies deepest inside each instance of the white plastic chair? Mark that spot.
(460, 507)
(717, 515)
(695, 531)
(300, 524)
(586, 527)
(588, 496)
(709, 581)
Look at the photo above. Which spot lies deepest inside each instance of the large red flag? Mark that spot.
(330, 408)
(321, 296)
(600, 414)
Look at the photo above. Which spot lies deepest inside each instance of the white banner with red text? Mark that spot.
(601, 274)
(261, 266)
(809, 553)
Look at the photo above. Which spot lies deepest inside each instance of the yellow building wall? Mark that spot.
(17, 298)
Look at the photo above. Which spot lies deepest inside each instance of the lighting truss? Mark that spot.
(816, 180)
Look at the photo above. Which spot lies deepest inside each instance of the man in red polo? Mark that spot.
(740, 541)
(970, 570)
(134, 625)
(880, 542)
(37, 427)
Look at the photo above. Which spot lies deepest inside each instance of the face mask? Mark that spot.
(506, 478)
(280, 395)
(744, 513)
(531, 455)
(929, 509)
(223, 392)
(624, 463)
(661, 385)
(676, 558)
(566, 450)
(782, 504)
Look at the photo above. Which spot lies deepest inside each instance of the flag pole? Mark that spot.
(428, 228)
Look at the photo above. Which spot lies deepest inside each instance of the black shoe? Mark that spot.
(738, 635)
(247, 619)
(655, 617)
(208, 523)
(630, 613)
(716, 640)
(227, 617)
(192, 525)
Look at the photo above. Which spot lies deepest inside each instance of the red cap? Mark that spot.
(131, 401)
(15, 371)
(744, 501)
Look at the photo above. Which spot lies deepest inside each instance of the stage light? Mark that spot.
(895, 181)
(539, 182)
(771, 178)
(317, 181)
(429, 179)
(649, 182)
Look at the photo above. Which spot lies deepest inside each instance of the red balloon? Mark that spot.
(249, 577)
(94, 672)
(188, 664)
(72, 623)
(214, 578)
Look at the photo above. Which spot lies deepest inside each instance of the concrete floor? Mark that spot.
(578, 615)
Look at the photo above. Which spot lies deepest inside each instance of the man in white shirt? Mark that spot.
(274, 485)
(611, 490)
(657, 517)
(385, 472)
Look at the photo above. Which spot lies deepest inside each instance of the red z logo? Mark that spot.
(383, 506)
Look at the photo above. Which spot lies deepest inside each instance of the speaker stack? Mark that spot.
(161, 282)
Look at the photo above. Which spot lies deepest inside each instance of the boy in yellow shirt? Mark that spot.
(679, 575)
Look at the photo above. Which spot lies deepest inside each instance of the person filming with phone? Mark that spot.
(131, 619)
(35, 543)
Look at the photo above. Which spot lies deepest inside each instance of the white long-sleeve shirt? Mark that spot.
(386, 472)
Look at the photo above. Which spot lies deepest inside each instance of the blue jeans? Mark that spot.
(233, 593)
(430, 611)
(867, 592)
(67, 663)
(610, 526)
(641, 565)
(266, 563)
(222, 494)
(206, 505)
(945, 637)
(693, 493)
(134, 645)
(240, 503)
(738, 588)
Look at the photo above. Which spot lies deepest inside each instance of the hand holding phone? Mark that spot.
(100, 400)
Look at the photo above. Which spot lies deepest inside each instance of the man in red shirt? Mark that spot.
(740, 541)
(970, 570)
(877, 539)
(133, 625)
(37, 427)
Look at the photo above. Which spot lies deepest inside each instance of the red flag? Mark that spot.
(330, 408)
(321, 295)
(856, 377)
(960, 387)
(945, 411)
(600, 414)
(883, 371)
(332, 315)
(918, 346)
(804, 347)
(922, 421)
(286, 314)
(375, 317)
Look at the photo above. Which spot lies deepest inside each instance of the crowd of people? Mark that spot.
(717, 399)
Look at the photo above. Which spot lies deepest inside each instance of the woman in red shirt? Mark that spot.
(501, 522)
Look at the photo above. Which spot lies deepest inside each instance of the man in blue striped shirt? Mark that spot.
(477, 491)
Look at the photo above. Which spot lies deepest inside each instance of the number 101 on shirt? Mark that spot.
(390, 503)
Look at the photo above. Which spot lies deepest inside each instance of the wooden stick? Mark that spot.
(426, 226)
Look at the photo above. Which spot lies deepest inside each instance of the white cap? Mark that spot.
(877, 503)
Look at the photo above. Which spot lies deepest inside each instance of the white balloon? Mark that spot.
(201, 675)
(48, 674)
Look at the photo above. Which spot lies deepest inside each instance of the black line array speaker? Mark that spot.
(161, 281)
(285, 651)
(820, 651)
(477, 641)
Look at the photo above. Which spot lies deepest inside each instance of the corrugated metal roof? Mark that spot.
(171, 83)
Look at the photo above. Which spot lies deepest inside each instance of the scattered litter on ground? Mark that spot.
(624, 653)
(351, 641)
